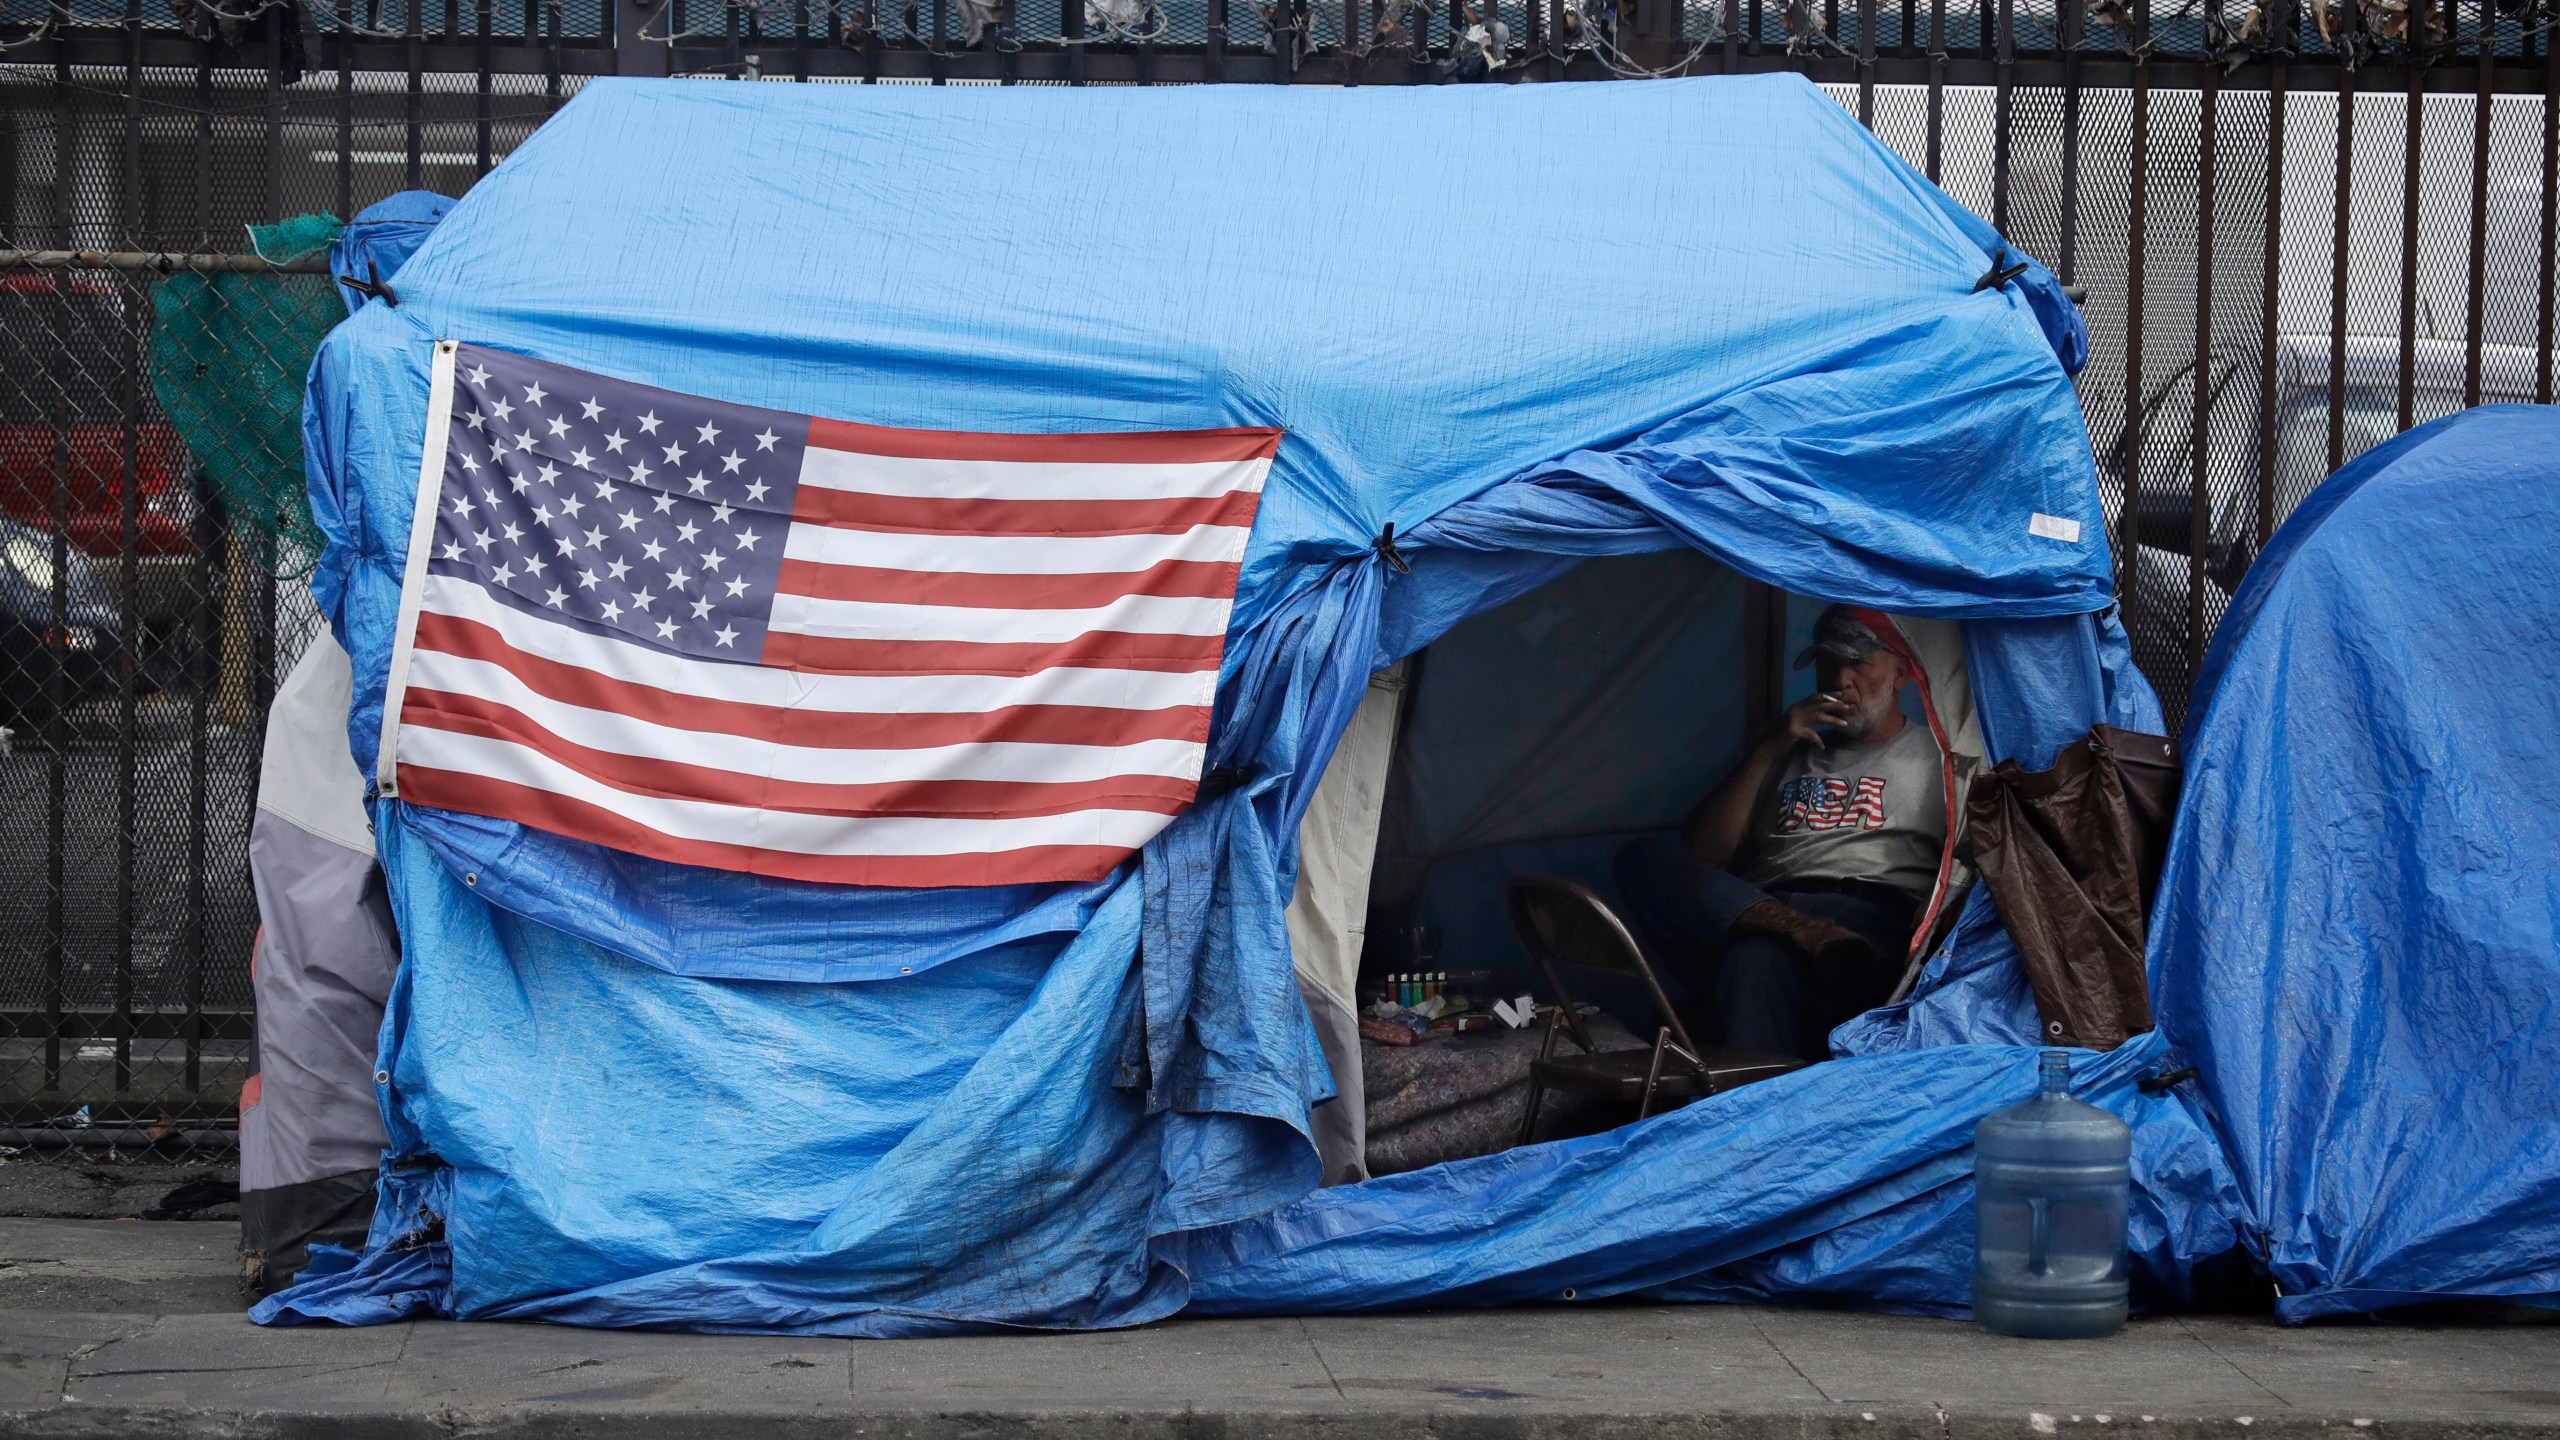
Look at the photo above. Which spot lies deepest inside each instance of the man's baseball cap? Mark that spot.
(1840, 635)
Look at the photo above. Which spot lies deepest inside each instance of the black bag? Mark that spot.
(2072, 856)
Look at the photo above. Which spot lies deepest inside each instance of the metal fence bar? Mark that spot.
(1867, 63)
(480, 96)
(346, 160)
(57, 638)
(2342, 198)
(2074, 19)
(2137, 219)
(159, 262)
(415, 173)
(2544, 282)
(131, 335)
(2003, 117)
(2280, 40)
(2203, 382)
(2475, 310)
(2409, 203)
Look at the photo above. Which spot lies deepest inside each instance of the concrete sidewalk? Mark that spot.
(122, 1328)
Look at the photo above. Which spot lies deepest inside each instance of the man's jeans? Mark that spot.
(1768, 995)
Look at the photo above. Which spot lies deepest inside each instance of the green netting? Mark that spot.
(229, 354)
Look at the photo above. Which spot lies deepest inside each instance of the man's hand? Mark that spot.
(1813, 710)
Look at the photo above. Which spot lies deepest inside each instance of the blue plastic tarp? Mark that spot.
(627, 1092)
(2358, 933)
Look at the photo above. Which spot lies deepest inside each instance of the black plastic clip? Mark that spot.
(1999, 275)
(1385, 545)
(2167, 1081)
(373, 288)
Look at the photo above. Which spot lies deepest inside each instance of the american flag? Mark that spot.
(758, 641)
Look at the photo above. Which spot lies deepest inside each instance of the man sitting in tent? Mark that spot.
(1792, 892)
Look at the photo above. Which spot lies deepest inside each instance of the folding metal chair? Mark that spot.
(1564, 926)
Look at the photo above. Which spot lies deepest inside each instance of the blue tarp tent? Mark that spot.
(625, 1092)
(2358, 933)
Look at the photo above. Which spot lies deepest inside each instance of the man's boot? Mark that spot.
(1809, 934)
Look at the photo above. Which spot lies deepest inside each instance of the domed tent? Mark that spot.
(2358, 934)
(626, 1087)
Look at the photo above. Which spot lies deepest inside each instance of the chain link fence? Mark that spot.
(152, 539)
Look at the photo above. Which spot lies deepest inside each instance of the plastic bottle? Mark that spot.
(2051, 1180)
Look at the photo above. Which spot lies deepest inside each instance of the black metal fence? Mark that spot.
(2297, 229)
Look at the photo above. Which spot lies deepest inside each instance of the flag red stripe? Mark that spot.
(1094, 650)
(675, 780)
(1137, 447)
(819, 729)
(1173, 579)
(479, 795)
(930, 515)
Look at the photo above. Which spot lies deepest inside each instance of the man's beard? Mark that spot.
(1862, 727)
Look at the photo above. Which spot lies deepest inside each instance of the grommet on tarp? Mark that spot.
(1385, 545)
(2166, 1081)
(1999, 275)
(374, 288)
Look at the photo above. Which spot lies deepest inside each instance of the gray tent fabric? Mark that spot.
(310, 1126)
(1328, 913)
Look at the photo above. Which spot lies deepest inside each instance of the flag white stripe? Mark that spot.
(809, 765)
(779, 830)
(640, 664)
(1025, 479)
(873, 620)
(1010, 554)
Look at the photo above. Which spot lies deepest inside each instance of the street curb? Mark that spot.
(551, 1422)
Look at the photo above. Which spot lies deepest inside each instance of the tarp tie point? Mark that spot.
(1999, 275)
(2167, 1080)
(374, 287)
(1385, 546)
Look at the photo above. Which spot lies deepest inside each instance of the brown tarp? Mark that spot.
(2072, 856)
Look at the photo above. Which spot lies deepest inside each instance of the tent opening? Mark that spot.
(1541, 737)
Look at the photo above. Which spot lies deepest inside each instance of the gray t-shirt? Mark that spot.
(1876, 813)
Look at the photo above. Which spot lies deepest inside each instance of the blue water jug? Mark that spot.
(2051, 1178)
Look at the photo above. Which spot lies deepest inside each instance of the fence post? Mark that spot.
(2068, 32)
(2207, 390)
(2474, 312)
(2128, 539)
(2343, 196)
(346, 109)
(2544, 338)
(2003, 113)
(2280, 39)
(481, 156)
(1867, 63)
(634, 53)
(2413, 57)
